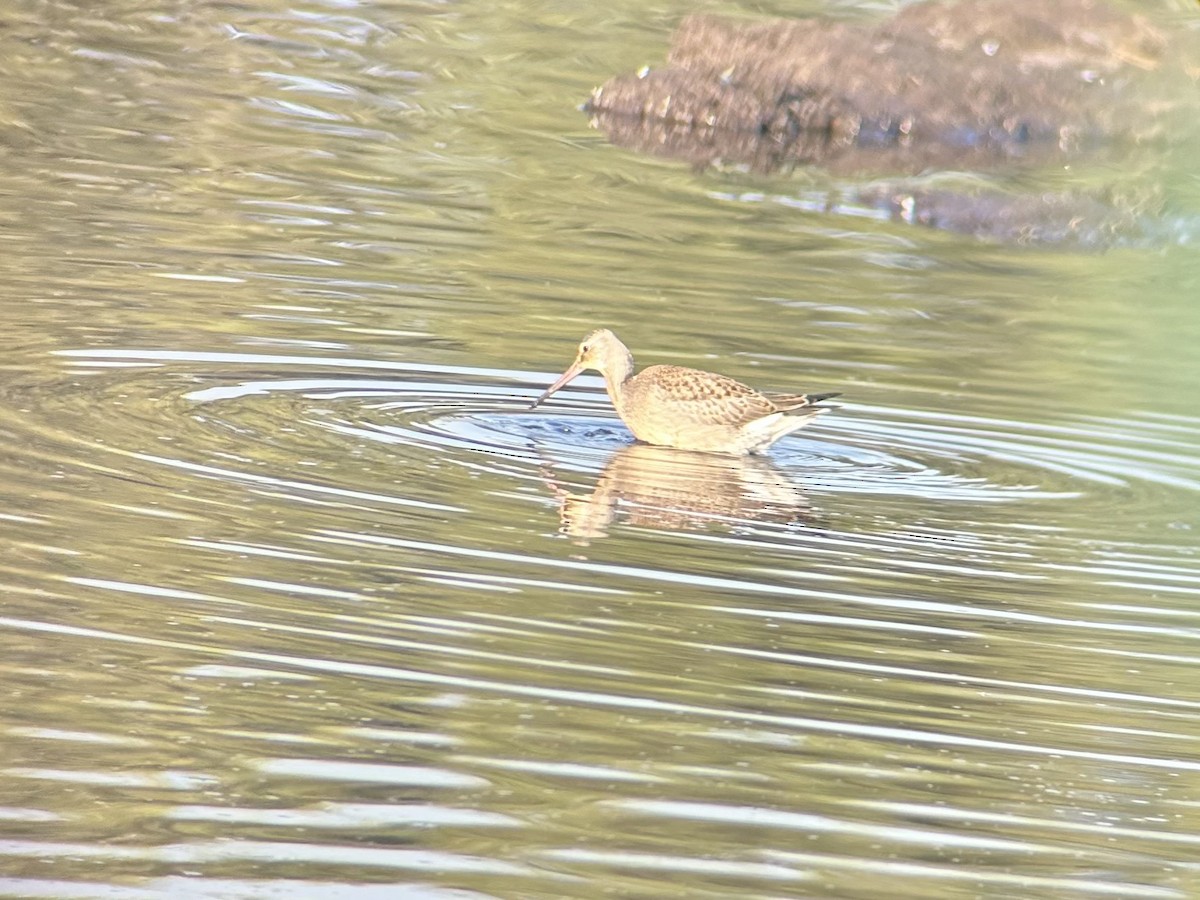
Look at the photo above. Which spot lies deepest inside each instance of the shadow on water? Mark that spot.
(674, 490)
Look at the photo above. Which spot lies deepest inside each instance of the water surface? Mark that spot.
(300, 598)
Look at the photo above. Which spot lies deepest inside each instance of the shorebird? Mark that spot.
(689, 409)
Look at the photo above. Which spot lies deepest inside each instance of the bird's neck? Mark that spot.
(617, 375)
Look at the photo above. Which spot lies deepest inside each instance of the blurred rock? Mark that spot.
(972, 85)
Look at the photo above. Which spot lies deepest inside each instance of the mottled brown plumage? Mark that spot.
(689, 409)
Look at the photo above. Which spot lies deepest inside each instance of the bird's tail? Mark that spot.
(799, 403)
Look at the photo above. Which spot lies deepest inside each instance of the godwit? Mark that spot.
(689, 409)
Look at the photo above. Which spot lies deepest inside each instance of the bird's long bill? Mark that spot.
(562, 380)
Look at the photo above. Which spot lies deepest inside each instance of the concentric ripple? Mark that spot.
(860, 449)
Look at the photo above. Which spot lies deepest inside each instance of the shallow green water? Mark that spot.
(299, 598)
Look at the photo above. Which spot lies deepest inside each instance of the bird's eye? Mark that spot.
(584, 349)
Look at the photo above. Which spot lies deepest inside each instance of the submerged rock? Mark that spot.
(973, 85)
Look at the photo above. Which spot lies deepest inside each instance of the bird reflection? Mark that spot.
(678, 490)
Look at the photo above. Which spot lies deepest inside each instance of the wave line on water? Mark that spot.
(320, 362)
(712, 581)
(619, 701)
(342, 493)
